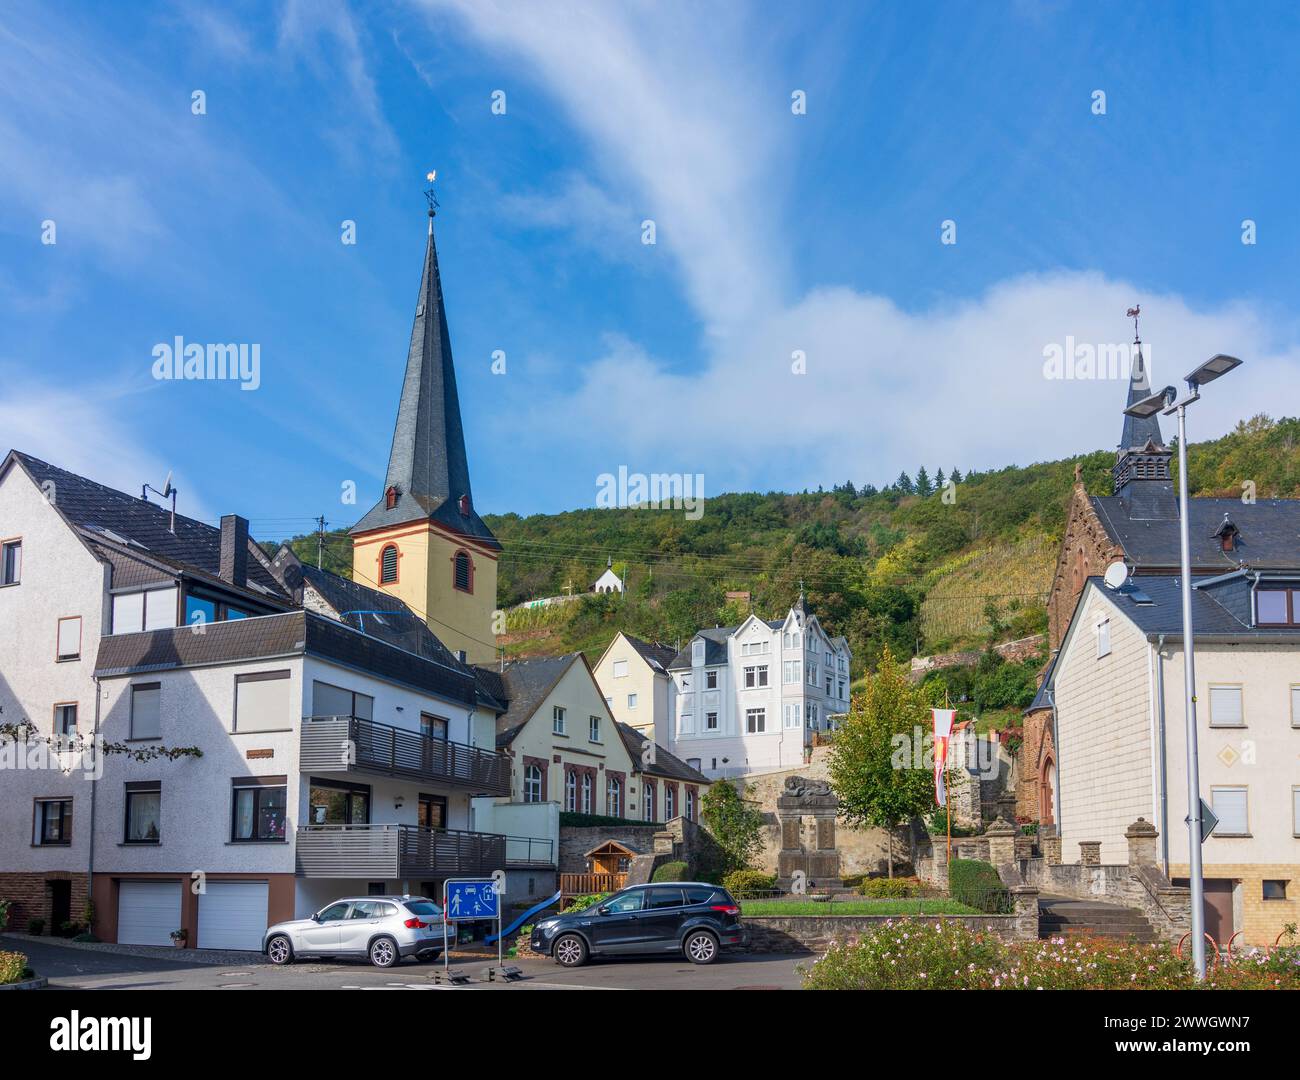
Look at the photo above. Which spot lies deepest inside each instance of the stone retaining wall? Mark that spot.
(815, 933)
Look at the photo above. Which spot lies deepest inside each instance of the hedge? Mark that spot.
(743, 883)
(976, 883)
(671, 871)
(899, 888)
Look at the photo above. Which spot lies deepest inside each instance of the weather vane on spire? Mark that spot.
(1133, 314)
(431, 176)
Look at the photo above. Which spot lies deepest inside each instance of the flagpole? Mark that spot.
(947, 790)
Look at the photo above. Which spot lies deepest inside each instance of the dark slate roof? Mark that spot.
(1154, 603)
(1139, 431)
(1148, 533)
(666, 765)
(715, 645)
(291, 633)
(524, 684)
(653, 653)
(1041, 698)
(107, 518)
(427, 463)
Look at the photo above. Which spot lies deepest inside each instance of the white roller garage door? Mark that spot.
(148, 911)
(232, 915)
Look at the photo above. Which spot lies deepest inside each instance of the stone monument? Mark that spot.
(802, 798)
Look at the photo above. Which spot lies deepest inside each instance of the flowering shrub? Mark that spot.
(915, 955)
(13, 967)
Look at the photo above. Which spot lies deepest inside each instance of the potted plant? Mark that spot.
(36, 927)
(179, 937)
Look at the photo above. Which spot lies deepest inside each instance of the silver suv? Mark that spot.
(383, 928)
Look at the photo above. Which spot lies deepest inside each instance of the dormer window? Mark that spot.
(1227, 534)
(390, 498)
(1277, 607)
(464, 506)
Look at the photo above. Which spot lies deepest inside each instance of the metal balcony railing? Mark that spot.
(410, 851)
(346, 743)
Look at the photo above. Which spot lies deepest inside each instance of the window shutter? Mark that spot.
(1230, 808)
(160, 609)
(146, 714)
(128, 613)
(1225, 706)
(262, 701)
(69, 637)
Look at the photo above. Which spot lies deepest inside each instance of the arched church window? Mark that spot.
(463, 572)
(388, 565)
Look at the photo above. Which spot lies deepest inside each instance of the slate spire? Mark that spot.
(428, 470)
(1142, 460)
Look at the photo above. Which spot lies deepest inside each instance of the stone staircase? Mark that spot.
(1061, 916)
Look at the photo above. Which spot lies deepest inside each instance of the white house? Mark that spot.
(282, 736)
(749, 697)
(633, 676)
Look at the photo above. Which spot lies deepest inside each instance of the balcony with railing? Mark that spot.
(379, 852)
(349, 743)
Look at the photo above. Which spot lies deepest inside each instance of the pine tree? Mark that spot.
(903, 484)
(955, 476)
(923, 484)
(939, 480)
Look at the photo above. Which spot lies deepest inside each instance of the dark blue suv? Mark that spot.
(688, 918)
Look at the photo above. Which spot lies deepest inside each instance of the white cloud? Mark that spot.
(80, 429)
(676, 109)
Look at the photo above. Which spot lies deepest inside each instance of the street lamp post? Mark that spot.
(1168, 401)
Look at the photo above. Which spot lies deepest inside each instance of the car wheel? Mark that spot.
(279, 950)
(701, 947)
(383, 952)
(570, 951)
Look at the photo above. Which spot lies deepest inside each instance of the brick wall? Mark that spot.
(31, 897)
(1259, 920)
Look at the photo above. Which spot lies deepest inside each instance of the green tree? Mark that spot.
(735, 824)
(923, 484)
(871, 787)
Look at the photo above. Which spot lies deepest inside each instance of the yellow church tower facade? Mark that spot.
(423, 542)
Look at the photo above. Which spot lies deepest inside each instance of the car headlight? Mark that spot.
(548, 925)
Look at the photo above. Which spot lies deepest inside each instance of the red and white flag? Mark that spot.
(943, 719)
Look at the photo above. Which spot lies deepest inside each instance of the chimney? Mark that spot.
(234, 550)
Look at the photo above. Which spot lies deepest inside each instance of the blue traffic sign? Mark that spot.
(472, 900)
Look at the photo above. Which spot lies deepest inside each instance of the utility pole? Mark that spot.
(320, 541)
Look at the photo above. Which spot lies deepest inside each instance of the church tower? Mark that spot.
(1141, 473)
(423, 541)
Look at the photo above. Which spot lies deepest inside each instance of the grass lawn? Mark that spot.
(854, 907)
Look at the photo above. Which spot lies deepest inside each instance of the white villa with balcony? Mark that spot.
(748, 698)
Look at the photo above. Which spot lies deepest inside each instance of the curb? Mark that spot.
(38, 983)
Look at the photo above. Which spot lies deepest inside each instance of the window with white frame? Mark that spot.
(1103, 638)
(586, 793)
(613, 796)
(690, 803)
(620, 669)
(710, 721)
(1295, 811)
(262, 701)
(648, 800)
(1231, 807)
(593, 729)
(755, 676)
(711, 680)
(792, 639)
(571, 790)
(1295, 706)
(790, 672)
(754, 648)
(830, 686)
(812, 675)
(830, 659)
(557, 719)
(533, 784)
(791, 713)
(755, 721)
(153, 609)
(670, 801)
(813, 716)
(631, 701)
(69, 638)
(65, 719)
(697, 651)
(1225, 707)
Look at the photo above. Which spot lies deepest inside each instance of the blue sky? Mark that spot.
(776, 233)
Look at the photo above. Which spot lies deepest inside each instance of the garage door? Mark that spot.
(148, 911)
(232, 915)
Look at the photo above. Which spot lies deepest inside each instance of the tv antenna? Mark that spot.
(168, 492)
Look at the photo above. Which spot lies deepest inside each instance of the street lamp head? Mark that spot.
(1219, 364)
(1151, 404)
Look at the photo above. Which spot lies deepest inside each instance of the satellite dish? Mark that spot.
(1116, 574)
(167, 484)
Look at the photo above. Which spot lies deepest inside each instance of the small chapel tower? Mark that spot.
(423, 541)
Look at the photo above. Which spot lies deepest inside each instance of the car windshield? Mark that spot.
(423, 907)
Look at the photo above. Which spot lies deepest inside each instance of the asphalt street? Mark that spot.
(68, 967)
